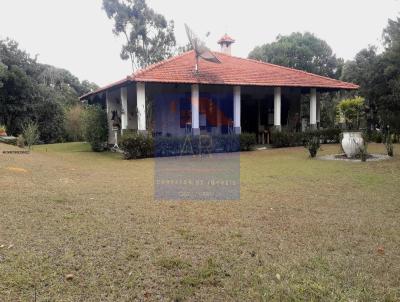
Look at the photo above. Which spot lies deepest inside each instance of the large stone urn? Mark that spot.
(352, 143)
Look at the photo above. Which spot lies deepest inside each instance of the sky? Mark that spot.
(76, 34)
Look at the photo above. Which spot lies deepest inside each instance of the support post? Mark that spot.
(111, 138)
(313, 108)
(277, 108)
(318, 111)
(124, 109)
(195, 109)
(237, 109)
(141, 106)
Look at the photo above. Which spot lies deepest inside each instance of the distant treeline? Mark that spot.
(31, 91)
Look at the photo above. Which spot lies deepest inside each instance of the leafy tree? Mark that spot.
(300, 51)
(16, 99)
(95, 127)
(366, 70)
(50, 116)
(30, 91)
(379, 78)
(390, 102)
(88, 87)
(309, 53)
(149, 37)
(3, 73)
(185, 48)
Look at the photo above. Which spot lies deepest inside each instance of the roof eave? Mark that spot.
(107, 87)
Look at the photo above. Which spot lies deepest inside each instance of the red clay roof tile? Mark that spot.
(231, 71)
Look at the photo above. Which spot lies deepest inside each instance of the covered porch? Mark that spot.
(164, 109)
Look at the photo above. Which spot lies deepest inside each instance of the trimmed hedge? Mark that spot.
(375, 137)
(294, 139)
(136, 145)
(247, 141)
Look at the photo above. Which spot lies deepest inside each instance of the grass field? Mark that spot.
(304, 230)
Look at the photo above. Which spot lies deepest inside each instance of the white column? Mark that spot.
(124, 108)
(141, 106)
(277, 108)
(107, 102)
(111, 135)
(313, 108)
(236, 109)
(195, 109)
(318, 110)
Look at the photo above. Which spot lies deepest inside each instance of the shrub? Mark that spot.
(20, 141)
(139, 146)
(30, 133)
(203, 144)
(312, 143)
(95, 128)
(389, 145)
(227, 143)
(136, 145)
(51, 121)
(293, 139)
(330, 135)
(375, 136)
(286, 139)
(247, 141)
(73, 123)
(364, 148)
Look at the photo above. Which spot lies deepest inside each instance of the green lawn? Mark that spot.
(304, 230)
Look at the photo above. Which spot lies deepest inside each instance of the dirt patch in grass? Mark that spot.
(304, 230)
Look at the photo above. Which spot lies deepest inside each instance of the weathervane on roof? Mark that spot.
(200, 48)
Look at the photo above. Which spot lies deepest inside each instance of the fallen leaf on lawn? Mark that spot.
(69, 277)
(381, 250)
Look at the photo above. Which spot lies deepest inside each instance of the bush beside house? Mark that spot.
(136, 145)
(295, 139)
(95, 128)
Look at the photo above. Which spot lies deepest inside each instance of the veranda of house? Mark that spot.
(168, 109)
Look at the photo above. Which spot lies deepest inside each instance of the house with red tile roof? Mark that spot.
(237, 95)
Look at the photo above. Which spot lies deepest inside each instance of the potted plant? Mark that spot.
(350, 112)
(3, 130)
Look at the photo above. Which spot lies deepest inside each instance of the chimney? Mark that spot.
(226, 43)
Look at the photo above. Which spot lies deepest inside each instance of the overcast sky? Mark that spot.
(76, 34)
